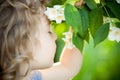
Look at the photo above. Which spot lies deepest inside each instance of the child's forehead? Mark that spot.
(43, 25)
(43, 22)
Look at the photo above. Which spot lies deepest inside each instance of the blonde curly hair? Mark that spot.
(18, 19)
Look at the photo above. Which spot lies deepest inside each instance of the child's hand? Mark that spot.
(70, 50)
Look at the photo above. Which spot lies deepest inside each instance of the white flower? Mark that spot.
(59, 18)
(118, 1)
(114, 34)
(56, 13)
(68, 39)
(68, 34)
(51, 13)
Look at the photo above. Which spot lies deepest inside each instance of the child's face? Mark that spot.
(45, 47)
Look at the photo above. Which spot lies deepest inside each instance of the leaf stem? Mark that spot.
(106, 12)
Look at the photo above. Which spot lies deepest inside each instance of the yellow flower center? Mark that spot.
(54, 12)
(60, 17)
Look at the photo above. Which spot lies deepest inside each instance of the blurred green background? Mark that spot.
(99, 63)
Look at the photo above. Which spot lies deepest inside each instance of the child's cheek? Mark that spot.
(37, 42)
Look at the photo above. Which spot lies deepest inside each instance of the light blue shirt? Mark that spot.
(35, 75)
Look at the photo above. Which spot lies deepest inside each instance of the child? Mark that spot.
(27, 46)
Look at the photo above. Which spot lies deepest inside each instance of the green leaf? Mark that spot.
(87, 37)
(96, 20)
(60, 46)
(83, 29)
(111, 15)
(70, 2)
(114, 7)
(72, 17)
(91, 4)
(78, 42)
(101, 34)
(117, 24)
(56, 2)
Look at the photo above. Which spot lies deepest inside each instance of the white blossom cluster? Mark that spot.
(114, 34)
(56, 13)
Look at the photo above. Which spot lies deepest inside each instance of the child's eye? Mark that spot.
(50, 32)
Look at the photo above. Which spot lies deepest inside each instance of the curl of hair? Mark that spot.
(17, 29)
